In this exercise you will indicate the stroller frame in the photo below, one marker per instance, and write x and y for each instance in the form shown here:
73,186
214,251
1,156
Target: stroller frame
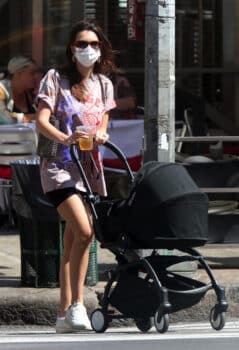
149,274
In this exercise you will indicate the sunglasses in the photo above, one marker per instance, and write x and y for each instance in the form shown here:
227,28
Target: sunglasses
83,44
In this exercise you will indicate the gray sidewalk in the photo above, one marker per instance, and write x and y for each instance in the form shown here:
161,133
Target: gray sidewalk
19,305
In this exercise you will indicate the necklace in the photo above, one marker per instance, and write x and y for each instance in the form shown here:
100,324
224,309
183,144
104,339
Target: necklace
79,91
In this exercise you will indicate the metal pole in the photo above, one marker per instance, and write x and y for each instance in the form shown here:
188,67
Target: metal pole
37,31
159,133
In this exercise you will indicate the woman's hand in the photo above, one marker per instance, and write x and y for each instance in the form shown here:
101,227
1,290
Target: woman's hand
101,136
74,137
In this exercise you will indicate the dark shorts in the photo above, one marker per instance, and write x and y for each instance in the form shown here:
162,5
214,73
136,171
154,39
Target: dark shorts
56,197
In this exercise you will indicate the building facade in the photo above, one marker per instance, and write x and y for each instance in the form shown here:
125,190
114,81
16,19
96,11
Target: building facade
207,42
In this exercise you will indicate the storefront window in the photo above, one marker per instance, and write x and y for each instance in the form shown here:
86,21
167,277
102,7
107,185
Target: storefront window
207,37
15,29
57,22
206,57
4,34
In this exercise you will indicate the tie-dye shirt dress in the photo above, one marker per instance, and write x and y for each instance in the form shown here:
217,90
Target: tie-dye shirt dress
55,92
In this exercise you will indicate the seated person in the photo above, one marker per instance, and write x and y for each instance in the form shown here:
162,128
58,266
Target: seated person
124,96
16,98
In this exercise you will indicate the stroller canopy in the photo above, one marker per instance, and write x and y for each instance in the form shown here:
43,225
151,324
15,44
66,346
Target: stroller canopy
165,208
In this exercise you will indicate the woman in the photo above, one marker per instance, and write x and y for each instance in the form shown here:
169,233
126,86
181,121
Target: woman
80,94
16,98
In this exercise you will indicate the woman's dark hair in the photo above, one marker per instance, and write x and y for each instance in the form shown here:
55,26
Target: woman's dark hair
106,63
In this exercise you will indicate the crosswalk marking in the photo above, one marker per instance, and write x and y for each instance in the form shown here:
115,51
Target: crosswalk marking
179,331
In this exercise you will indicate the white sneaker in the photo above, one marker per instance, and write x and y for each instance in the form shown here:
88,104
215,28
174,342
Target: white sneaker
62,326
76,317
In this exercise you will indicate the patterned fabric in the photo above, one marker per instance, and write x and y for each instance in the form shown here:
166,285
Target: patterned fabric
71,113
6,102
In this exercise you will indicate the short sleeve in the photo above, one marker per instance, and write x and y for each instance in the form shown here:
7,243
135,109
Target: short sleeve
48,90
109,95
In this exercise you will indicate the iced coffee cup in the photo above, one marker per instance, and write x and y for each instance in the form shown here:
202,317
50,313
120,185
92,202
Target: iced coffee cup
86,143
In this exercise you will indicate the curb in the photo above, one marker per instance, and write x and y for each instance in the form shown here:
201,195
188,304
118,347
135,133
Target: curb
38,306
24,306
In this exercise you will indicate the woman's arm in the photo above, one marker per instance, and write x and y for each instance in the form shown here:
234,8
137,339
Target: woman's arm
50,131
46,128
104,123
101,134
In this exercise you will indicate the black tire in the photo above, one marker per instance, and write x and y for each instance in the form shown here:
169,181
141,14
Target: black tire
144,325
99,321
161,322
217,319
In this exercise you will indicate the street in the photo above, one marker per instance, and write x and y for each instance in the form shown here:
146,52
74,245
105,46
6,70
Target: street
182,336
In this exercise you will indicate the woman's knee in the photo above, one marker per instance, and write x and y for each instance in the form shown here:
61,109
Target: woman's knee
84,237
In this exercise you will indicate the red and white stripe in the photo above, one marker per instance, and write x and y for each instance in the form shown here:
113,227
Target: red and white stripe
128,136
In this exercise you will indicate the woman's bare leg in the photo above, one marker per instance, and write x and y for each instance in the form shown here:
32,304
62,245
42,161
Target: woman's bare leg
65,285
78,219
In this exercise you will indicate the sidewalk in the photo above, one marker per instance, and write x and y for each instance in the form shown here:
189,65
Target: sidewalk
20,305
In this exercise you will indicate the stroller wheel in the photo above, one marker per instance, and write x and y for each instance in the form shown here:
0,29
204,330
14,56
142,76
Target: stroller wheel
217,319
99,321
161,322
143,325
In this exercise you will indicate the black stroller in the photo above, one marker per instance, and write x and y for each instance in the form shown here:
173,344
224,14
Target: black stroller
164,210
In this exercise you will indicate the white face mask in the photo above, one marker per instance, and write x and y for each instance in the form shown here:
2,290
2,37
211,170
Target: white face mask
88,56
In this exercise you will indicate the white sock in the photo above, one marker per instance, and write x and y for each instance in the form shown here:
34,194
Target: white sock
77,303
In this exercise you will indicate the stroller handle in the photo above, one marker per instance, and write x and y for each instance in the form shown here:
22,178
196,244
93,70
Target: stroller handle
116,150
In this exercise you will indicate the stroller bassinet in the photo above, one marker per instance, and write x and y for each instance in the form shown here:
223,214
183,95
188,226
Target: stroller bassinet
165,209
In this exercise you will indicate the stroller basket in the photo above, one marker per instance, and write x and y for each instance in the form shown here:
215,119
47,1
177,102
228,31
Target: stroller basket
133,289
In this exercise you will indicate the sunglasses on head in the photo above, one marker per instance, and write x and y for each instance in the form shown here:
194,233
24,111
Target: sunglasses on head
83,44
